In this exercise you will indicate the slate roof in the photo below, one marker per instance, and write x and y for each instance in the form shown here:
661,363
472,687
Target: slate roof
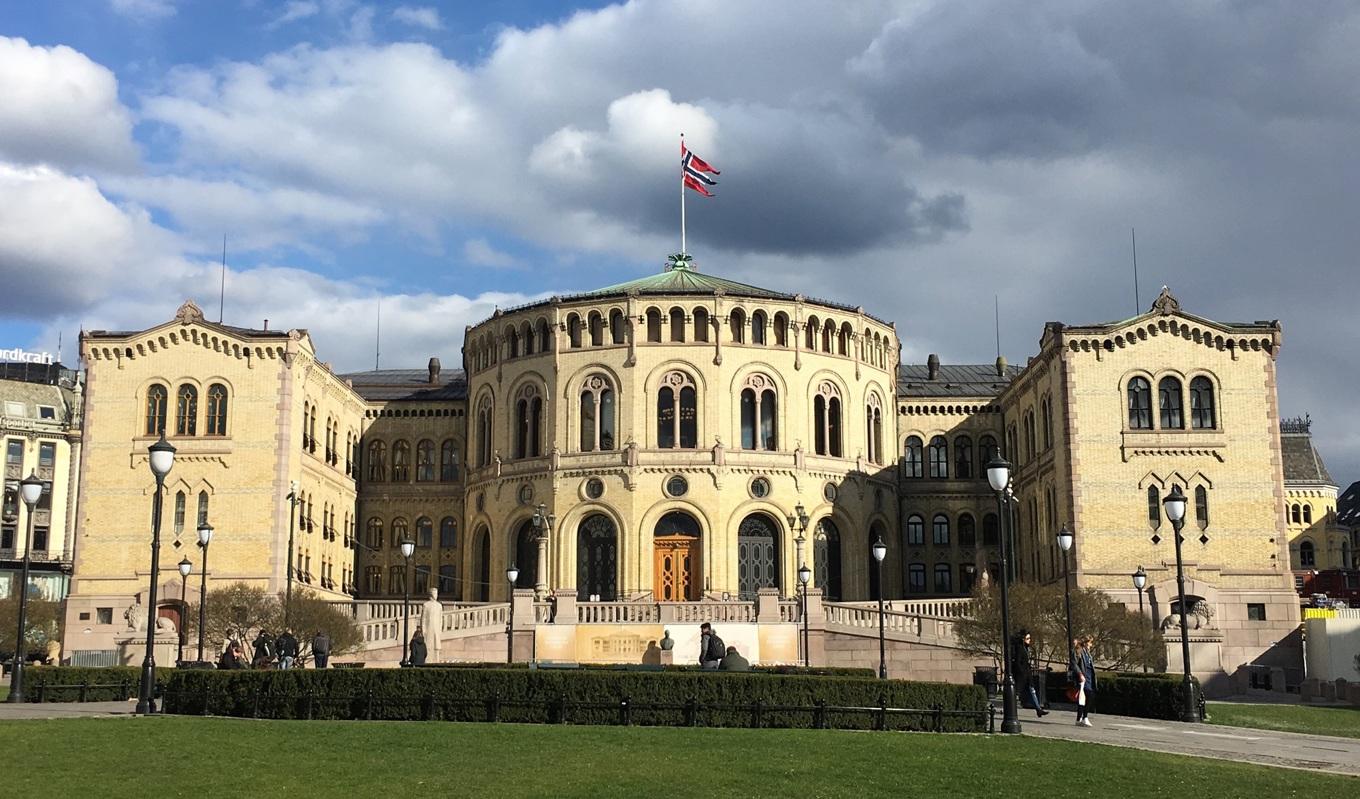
408,385
1348,506
953,380
1302,463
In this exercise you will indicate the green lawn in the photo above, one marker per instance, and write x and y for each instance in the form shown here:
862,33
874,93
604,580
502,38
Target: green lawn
201,757
1342,721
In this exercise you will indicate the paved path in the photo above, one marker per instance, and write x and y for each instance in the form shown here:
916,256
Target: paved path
1263,747
64,710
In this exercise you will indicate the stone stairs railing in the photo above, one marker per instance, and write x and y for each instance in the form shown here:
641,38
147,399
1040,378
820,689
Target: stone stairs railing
861,619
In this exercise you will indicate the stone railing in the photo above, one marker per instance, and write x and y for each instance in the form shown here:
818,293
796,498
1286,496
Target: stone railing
544,612
376,609
790,610
617,612
860,619
933,608
475,618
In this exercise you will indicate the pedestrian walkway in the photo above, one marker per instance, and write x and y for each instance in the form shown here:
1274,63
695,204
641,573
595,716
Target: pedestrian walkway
64,710
1262,747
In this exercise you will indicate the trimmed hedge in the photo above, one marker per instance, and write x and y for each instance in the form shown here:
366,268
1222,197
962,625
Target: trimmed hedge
1149,696
86,684
719,699
814,671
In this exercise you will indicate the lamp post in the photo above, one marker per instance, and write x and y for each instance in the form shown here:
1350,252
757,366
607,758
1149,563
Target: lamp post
408,548
543,523
205,533
1174,503
999,478
292,524
1139,582
30,489
798,523
185,567
880,550
1065,538
161,458
804,577
511,575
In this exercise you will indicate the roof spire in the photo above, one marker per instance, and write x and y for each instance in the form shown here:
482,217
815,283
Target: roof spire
680,261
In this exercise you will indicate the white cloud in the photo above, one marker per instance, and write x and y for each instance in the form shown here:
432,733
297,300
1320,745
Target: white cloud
481,253
293,11
418,17
145,10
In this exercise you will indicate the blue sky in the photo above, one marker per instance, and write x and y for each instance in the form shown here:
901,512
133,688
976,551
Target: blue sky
916,157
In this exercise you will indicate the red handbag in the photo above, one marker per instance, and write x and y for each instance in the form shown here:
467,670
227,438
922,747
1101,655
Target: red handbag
1071,693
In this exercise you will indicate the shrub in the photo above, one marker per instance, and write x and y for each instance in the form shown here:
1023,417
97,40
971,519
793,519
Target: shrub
1151,696
585,696
817,671
86,684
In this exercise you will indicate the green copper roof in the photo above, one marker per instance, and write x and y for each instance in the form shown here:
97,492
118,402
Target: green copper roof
683,280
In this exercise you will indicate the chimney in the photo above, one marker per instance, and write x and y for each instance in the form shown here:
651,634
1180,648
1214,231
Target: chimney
933,367
1000,366
434,371
266,324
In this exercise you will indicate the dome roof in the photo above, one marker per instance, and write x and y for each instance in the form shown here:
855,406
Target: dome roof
680,278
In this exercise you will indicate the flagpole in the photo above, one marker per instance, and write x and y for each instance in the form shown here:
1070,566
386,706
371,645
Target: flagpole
682,194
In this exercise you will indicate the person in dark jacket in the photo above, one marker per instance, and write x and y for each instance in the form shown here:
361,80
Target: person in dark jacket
711,649
264,650
231,657
733,661
321,648
418,649
1022,656
286,646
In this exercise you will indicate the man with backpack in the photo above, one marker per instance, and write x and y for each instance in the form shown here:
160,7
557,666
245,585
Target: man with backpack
711,647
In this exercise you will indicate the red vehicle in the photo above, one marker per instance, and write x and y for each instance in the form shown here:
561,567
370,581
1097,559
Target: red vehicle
1332,584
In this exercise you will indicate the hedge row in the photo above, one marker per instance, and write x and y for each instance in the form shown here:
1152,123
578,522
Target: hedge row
86,684
721,699
1149,696
813,671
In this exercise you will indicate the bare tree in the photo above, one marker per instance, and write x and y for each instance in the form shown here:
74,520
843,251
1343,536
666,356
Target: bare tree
239,611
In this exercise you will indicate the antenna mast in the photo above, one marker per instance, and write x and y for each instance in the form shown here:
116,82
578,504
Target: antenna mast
1137,304
377,342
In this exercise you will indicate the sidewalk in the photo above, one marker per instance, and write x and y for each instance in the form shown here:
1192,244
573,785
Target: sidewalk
1262,747
64,710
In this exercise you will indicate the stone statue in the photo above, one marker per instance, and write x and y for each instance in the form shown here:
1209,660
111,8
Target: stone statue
1200,617
432,620
631,454
667,642
54,653
165,625
136,615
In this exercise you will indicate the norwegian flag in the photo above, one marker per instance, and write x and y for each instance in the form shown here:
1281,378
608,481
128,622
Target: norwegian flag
696,171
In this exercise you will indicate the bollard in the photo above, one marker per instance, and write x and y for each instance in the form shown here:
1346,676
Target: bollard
819,715
691,712
882,712
625,713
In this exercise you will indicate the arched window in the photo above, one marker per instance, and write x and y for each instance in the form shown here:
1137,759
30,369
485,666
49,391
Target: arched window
512,342
758,323
526,335
1169,401
843,339
938,453
916,531
574,331
810,329
217,410
528,422
186,411
654,324
448,532
963,458
737,320
1307,556
781,330
596,559
401,461
967,530
618,329
1202,506
202,508
424,532
826,558
759,410
677,317
677,412
1154,507
1307,514
873,428
1140,404
828,333
826,412
377,462
1296,514
544,342
913,463
401,531
156,396
1202,416
180,502
987,452
596,323
701,324
991,530
484,432
448,581
448,461
425,461
373,536
597,414
939,527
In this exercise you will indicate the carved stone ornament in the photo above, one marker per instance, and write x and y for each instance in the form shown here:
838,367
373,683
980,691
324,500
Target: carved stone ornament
1166,304
189,312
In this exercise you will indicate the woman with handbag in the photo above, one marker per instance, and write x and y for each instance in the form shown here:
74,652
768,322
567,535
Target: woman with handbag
1084,667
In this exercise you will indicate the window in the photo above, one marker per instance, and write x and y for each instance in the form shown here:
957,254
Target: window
826,412
1307,514
373,579
202,508
448,461
701,324
940,530
991,530
377,462
425,461
484,432
916,578
103,615
373,537
180,502
618,328
597,414
963,458
1140,404
397,580
758,323
596,325
873,422
1169,403
217,410
448,532
911,457
155,410
987,453
944,583
758,413
828,333
47,462
1296,514
424,532
781,330
401,461
737,320
1307,556
401,531
810,328
528,423
1202,404
916,531
1154,507
1256,611
574,331
677,413
47,412
967,530
448,580
14,459
1030,443
1047,409
938,452
422,581
678,324
843,339
653,324
1202,506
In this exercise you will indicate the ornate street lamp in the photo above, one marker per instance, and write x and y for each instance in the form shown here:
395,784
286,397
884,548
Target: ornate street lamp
543,523
205,534
1174,504
408,548
1140,582
293,500
30,490
999,478
185,567
804,577
1065,539
511,575
798,523
161,459
880,551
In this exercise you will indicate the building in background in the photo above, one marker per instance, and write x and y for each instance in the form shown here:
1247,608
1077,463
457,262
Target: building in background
1317,540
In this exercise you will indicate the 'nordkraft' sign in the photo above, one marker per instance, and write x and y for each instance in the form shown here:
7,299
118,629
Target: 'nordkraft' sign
24,356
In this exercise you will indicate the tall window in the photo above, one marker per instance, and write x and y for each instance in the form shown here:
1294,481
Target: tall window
1307,555
397,580
758,413
916,531
372,580
677,412
1202,415
940,530
912,459
597,414
1202,507
991,530
448,580
987,452
758,323
781,330
448,532
943,580
1169,401
448,461
826,413
180,502
484,432
701,324
963,457
574,331
1307,514
810,328
401,531
155,409
873,423
528,421
202,508
377,462
967,530
737,319
186,411
916,578
654,324
596,325
424,532
425,461
373,535
1296,514
1047,408
1140,404
938,452
401,461
1154,507
217,410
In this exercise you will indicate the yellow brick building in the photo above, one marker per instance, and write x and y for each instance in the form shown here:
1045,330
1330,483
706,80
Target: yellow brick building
1317,540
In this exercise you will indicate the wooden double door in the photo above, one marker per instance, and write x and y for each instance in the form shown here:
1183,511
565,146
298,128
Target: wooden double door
676,568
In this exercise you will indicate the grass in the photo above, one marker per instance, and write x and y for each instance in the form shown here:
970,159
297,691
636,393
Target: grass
1339,721
197,757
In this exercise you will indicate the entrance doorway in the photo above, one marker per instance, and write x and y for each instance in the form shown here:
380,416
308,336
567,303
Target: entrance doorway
757,555
677,556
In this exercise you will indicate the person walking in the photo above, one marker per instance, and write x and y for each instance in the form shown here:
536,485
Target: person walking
1022,658
1084,666
418,649
264,650
711,648
287,648
321,648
